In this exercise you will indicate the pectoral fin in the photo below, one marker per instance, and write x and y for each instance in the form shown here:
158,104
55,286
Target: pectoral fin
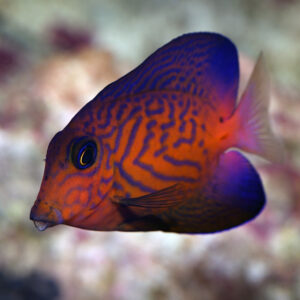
168,197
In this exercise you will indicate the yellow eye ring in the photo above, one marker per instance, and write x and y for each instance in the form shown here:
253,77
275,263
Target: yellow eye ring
81,158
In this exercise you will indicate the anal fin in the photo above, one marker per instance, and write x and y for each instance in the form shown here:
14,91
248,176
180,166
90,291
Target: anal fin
235,195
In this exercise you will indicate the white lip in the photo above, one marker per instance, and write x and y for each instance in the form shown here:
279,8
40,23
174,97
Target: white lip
40,225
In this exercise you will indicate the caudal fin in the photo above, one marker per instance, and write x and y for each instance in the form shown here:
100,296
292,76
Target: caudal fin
254,133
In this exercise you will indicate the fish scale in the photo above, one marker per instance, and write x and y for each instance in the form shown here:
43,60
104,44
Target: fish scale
154,149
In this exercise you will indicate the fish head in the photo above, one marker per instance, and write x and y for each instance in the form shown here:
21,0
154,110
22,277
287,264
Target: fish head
69,192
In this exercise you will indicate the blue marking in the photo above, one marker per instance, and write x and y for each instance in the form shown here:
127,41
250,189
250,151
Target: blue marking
144,71
121,127
59,215
206,53
164,137
163,75
195,112
118,138
184,112
171,113
109,134
160,151
134,111
147,139
108,115
188,88
132,181
90,113
187,140
151,124
127,85
80,189
163,58
201,143
161,176
200,53
174,51
203,127
110,152
99,114
212,54
200,64
182,162
150,101
120,112
182,126
151,112
106,180
91,132
101,196
167,125
167,82
154,112
131,138
118,186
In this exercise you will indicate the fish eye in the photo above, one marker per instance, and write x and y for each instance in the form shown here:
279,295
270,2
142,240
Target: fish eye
84,153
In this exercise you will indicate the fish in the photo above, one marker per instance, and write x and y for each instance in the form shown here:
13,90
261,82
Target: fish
163,147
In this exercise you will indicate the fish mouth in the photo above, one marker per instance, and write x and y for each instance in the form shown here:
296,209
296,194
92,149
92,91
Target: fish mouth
42,222
41,225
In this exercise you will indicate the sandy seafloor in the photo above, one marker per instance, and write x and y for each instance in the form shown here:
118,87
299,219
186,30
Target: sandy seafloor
54,57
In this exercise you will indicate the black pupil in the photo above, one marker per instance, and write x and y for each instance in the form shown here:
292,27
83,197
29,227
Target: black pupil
88,155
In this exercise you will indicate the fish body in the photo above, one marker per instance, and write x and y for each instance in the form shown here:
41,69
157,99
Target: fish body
151,151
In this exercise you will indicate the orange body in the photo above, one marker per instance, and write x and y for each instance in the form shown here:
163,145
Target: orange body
149,152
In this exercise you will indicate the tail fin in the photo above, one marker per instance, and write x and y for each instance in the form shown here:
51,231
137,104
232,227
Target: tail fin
254,132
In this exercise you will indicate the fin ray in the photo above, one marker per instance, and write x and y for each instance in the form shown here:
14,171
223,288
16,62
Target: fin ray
167,197
254,134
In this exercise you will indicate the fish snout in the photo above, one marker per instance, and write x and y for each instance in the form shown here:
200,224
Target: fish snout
44,216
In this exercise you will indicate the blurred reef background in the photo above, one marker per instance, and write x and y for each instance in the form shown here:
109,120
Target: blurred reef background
57,55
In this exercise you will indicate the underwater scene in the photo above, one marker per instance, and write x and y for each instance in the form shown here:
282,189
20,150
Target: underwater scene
57,56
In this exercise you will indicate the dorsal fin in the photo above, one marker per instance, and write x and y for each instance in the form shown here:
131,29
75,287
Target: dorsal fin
201,64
